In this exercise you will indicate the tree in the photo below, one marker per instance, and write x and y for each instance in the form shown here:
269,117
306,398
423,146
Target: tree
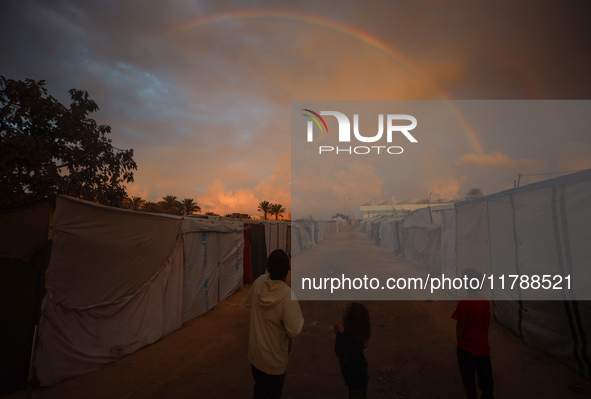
277,209
151,207
170,204
134,203
50,149
188,206
265,207
474,193
211,214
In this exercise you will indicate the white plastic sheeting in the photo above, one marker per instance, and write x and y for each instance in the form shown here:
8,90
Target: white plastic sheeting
119,280
540,229
114,285
214,251
307,233
276,235
448,245
421,237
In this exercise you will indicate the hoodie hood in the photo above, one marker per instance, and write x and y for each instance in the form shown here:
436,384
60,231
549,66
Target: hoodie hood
272,293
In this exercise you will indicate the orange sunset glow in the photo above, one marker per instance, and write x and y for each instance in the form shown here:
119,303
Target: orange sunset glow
202,92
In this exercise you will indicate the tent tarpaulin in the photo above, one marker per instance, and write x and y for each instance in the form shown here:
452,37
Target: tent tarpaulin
114,285
201,276
213,263
539,229
258,250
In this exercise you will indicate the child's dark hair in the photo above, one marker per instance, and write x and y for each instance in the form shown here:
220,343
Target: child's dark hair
278,264
356,322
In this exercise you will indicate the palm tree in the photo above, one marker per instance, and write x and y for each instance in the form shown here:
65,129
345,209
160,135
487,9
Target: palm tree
265,207
474,193
152,207
189,207
137,203
277,209
134,203
169,204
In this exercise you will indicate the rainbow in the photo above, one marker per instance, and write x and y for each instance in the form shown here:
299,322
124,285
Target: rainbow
354,33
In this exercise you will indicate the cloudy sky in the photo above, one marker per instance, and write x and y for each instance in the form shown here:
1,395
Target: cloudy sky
201,90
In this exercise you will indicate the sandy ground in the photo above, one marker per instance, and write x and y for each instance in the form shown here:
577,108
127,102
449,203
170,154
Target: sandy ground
411,355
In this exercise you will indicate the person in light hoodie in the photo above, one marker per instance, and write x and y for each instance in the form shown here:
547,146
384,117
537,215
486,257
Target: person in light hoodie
275,320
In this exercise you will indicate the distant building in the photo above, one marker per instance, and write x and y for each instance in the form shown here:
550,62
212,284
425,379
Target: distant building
240,216
283,216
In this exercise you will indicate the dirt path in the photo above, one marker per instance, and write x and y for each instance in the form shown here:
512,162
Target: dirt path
411,355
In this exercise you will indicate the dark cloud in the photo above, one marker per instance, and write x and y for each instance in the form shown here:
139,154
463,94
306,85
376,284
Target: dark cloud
211,103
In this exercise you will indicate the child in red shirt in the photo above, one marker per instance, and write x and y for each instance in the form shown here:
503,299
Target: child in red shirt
473,351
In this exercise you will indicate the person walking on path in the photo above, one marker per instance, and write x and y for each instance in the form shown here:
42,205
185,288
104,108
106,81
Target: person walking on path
275,320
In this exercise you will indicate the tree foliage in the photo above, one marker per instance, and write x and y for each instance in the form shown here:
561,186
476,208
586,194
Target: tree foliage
474,192
170,204
340,215
151,207
49,149
188,206
277,210
134,203
265,207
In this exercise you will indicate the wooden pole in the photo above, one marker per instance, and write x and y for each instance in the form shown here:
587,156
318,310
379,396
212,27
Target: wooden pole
30,376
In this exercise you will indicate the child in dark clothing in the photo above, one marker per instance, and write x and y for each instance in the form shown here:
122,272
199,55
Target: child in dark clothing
473,351
349,344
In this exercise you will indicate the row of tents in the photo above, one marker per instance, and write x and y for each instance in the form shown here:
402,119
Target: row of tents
110,281
102,282
539,229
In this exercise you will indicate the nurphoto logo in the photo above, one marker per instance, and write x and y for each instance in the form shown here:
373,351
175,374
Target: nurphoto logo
392,126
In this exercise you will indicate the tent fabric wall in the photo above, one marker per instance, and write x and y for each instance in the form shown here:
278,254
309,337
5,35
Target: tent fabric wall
304,234
472,240
201,273
417,235
114,285
389,234
230,264
213,263
276,235
246,264
258,250
542,228
296,239
422,246
421,241
305,238
448,244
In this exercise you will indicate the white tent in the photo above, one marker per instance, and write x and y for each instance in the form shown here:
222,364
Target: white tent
213,258
421,236
119,280
540,229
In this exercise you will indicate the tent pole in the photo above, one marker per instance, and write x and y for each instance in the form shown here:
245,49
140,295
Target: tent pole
30,376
